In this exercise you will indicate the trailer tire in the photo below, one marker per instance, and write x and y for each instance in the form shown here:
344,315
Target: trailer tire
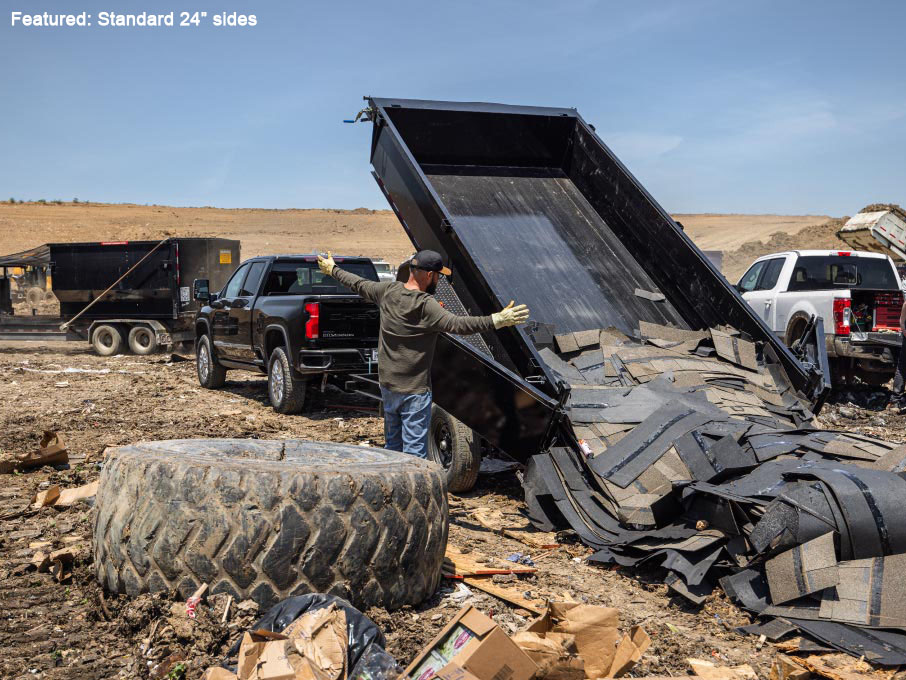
142,340
268,520
456,448
34,296
211,375
107,340
285,388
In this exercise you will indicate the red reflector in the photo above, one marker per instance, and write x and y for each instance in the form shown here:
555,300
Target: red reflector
313,325
842,312
844,253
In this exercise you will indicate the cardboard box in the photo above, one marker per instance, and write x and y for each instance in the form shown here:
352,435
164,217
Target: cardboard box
471,647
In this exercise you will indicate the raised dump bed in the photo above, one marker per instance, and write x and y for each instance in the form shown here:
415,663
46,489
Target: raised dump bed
529,204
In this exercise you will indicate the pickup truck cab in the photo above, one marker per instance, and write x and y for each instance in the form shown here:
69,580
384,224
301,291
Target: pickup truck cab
856,293
281,316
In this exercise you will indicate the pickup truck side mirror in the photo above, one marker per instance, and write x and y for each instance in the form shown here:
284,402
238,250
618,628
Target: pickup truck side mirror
200,290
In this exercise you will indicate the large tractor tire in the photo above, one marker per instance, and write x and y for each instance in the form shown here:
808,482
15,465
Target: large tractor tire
269,519
456,448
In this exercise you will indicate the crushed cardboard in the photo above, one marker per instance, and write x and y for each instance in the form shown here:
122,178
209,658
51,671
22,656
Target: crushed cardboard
593,630
51,451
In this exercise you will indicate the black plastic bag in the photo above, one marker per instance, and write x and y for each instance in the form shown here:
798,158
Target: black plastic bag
361,631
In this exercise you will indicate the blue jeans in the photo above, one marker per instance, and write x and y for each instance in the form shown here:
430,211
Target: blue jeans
407,418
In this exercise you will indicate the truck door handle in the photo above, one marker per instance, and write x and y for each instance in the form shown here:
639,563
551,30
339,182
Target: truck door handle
768,304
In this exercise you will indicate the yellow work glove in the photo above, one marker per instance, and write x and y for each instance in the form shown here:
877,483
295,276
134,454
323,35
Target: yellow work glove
510,315
327,264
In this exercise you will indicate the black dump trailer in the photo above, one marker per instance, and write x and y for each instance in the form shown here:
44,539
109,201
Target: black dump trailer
128,293
529,204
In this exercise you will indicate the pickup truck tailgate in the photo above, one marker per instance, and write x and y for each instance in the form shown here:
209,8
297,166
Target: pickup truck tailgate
342,319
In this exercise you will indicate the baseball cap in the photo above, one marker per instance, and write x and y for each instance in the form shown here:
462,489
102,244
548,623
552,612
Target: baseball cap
429,261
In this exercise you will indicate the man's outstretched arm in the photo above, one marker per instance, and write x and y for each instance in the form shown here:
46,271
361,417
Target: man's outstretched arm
372,291
439,319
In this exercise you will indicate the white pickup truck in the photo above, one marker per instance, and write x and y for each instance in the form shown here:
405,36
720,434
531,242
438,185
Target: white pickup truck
856,293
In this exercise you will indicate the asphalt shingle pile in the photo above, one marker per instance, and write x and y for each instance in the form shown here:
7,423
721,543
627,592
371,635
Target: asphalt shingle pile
692,452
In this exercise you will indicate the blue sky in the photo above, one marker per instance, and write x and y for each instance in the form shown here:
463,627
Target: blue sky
779,107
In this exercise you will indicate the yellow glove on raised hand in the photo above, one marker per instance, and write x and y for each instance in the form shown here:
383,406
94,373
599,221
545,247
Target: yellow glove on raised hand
327,264
510,315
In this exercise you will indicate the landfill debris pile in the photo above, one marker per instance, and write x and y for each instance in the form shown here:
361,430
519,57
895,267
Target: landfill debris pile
323,637
693,453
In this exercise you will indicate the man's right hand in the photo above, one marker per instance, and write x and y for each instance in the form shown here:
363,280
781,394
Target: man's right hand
327,264
510,315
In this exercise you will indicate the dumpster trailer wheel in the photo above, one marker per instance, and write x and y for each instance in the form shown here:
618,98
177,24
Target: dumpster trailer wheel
269,519
142,340
211,375
453,446
107,340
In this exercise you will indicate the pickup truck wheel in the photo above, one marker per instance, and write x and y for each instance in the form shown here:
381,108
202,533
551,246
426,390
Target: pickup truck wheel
211,375
142,340
268,520
107,340
453,446
285,387
794,328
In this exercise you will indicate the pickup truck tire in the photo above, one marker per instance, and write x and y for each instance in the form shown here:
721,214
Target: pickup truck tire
107,340
142,340
211,375
285,387
794,328
453,446
268,520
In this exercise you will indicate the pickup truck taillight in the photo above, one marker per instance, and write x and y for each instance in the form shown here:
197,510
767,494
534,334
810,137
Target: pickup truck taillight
842,312
313,325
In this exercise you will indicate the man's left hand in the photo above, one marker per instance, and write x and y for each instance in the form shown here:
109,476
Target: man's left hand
327,264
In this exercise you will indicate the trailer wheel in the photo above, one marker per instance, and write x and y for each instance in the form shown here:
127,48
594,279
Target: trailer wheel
285,387
211,375
142,340
267,520
34,296
107,340
453,446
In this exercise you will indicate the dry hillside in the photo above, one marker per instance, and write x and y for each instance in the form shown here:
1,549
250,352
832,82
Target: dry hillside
375,233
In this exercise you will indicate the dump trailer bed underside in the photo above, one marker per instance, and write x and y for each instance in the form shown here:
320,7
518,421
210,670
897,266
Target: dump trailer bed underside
539,219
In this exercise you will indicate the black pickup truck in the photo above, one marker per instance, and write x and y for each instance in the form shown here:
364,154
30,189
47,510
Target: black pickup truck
280,315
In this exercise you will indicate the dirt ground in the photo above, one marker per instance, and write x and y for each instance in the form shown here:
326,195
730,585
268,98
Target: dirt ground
72,630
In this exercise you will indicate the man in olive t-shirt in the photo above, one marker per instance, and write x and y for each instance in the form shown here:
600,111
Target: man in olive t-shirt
410,321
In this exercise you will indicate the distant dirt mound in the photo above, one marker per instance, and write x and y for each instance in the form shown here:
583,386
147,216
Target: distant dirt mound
878,207
820,237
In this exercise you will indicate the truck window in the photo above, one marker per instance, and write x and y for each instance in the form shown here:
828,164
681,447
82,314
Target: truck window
304,278
750,278
250,287
231,290
771,273
829,272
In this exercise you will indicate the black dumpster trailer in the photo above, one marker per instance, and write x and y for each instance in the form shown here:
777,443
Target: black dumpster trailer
529,204
152,306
